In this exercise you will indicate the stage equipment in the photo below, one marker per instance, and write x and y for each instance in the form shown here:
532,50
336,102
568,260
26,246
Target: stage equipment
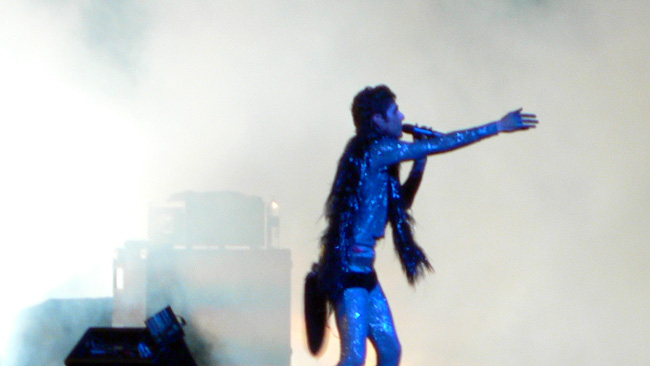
273,224
208,219
160,343
237,302
129,284
165,328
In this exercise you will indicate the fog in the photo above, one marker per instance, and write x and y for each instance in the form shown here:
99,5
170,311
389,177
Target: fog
539,239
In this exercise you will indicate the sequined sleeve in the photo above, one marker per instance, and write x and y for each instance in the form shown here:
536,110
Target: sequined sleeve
389,152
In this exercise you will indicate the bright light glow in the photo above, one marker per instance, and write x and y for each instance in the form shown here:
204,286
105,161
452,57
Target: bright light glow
539,239
72,166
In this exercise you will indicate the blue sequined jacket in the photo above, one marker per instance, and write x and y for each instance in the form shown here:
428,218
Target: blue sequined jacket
367,194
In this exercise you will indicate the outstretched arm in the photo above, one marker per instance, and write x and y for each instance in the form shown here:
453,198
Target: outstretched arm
393,152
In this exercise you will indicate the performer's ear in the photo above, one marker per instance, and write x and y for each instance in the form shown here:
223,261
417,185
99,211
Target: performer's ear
378,120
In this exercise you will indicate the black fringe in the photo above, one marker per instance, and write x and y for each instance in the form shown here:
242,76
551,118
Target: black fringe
340,209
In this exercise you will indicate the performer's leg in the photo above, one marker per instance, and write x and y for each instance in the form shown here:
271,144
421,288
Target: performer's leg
352,323
381,330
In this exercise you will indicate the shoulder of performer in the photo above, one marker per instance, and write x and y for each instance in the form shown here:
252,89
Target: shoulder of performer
387,151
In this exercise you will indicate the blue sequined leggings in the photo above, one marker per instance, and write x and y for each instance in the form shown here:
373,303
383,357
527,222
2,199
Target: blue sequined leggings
359,315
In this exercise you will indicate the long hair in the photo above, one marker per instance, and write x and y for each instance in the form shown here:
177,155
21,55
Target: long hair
341,207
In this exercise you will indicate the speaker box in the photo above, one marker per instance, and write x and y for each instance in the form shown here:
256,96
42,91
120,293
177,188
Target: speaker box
208,219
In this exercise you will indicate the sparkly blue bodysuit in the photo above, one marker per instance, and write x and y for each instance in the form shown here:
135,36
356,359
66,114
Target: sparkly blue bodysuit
372,213
365,196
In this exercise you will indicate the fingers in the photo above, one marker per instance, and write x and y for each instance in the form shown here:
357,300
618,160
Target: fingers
516,121
529,124
524,115
529,119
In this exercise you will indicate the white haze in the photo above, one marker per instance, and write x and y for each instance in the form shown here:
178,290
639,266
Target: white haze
539,239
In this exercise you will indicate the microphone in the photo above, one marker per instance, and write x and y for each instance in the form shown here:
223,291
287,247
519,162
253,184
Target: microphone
413,130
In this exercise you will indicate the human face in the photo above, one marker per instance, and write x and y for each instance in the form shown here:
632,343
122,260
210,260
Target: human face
391,124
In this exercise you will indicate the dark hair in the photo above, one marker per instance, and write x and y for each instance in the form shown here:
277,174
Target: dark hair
367,103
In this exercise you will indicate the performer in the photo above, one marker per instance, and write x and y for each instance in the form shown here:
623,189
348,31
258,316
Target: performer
366,194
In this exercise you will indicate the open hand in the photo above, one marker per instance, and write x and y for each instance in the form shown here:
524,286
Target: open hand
515,121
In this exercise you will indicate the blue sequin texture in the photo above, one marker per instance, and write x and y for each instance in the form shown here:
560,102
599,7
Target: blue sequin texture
365,196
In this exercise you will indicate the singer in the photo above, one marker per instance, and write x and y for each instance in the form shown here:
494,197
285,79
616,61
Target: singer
366,195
